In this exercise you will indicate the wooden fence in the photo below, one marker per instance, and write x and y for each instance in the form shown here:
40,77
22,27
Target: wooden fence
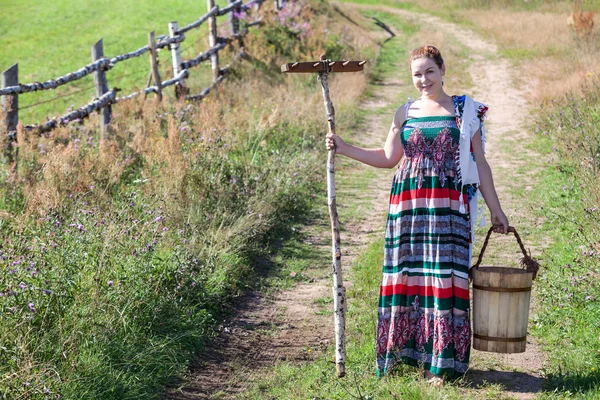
105,98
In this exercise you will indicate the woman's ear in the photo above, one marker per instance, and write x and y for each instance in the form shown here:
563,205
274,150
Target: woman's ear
443,69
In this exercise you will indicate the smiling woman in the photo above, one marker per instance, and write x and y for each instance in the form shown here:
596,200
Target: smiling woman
424,311
50,39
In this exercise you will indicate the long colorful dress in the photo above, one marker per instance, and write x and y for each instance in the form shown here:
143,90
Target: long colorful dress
423,317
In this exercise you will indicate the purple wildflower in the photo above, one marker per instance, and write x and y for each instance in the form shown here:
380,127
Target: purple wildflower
31,307
110,283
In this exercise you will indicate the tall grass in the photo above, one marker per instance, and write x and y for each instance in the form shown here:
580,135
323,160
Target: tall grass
119,253
567,319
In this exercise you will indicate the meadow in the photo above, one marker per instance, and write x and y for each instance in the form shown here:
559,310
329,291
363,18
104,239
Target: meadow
56,38
120,254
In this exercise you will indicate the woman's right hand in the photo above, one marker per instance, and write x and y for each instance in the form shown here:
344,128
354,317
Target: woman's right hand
333,141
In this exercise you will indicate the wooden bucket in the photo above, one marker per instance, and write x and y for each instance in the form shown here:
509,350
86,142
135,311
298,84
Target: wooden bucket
501,303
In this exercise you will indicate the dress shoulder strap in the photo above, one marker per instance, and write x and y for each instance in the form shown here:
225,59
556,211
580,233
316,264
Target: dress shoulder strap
408,103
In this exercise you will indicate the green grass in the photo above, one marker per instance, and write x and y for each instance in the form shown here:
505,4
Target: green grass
566,320
50,39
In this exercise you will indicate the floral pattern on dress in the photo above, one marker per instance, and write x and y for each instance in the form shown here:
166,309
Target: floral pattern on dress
439,153
462,336
442,334
442,330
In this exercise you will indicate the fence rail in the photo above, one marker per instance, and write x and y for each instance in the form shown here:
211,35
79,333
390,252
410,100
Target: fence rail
11,89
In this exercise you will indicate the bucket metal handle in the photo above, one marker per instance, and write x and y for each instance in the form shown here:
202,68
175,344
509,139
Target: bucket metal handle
527,262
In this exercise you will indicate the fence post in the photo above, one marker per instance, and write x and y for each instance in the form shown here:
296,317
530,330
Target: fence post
233,19
101,85
154,64
176,56
10,103
212,41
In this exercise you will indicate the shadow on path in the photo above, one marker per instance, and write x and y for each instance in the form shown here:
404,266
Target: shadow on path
511,381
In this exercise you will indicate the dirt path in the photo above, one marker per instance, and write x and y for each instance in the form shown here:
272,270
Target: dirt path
289,326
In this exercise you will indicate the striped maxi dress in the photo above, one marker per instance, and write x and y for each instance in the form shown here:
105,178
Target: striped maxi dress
423,316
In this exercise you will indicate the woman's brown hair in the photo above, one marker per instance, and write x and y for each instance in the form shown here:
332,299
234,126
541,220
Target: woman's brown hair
427,51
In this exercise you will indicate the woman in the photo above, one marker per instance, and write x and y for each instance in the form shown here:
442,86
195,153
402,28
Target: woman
423,317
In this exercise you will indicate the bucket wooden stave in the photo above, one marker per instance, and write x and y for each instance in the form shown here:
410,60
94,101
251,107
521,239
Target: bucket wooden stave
501,298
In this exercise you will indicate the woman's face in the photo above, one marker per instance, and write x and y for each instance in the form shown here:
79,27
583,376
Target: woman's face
427,76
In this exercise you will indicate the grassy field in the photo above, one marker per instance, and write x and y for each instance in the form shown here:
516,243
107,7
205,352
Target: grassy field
118,256
50,39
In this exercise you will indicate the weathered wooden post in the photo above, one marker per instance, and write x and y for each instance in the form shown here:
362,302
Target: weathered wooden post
154,64
280,4
212,41
101,85
323,68
233,19
176,57
10,104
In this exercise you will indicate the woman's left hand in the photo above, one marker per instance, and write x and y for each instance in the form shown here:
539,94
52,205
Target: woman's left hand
500,222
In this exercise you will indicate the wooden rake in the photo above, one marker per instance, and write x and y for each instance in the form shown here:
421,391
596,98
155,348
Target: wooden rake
323,68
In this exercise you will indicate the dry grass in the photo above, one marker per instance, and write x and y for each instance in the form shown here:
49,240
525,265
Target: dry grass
75,160
536,31
553,59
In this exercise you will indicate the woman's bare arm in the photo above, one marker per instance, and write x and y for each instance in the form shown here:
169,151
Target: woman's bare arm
486,185
387,157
